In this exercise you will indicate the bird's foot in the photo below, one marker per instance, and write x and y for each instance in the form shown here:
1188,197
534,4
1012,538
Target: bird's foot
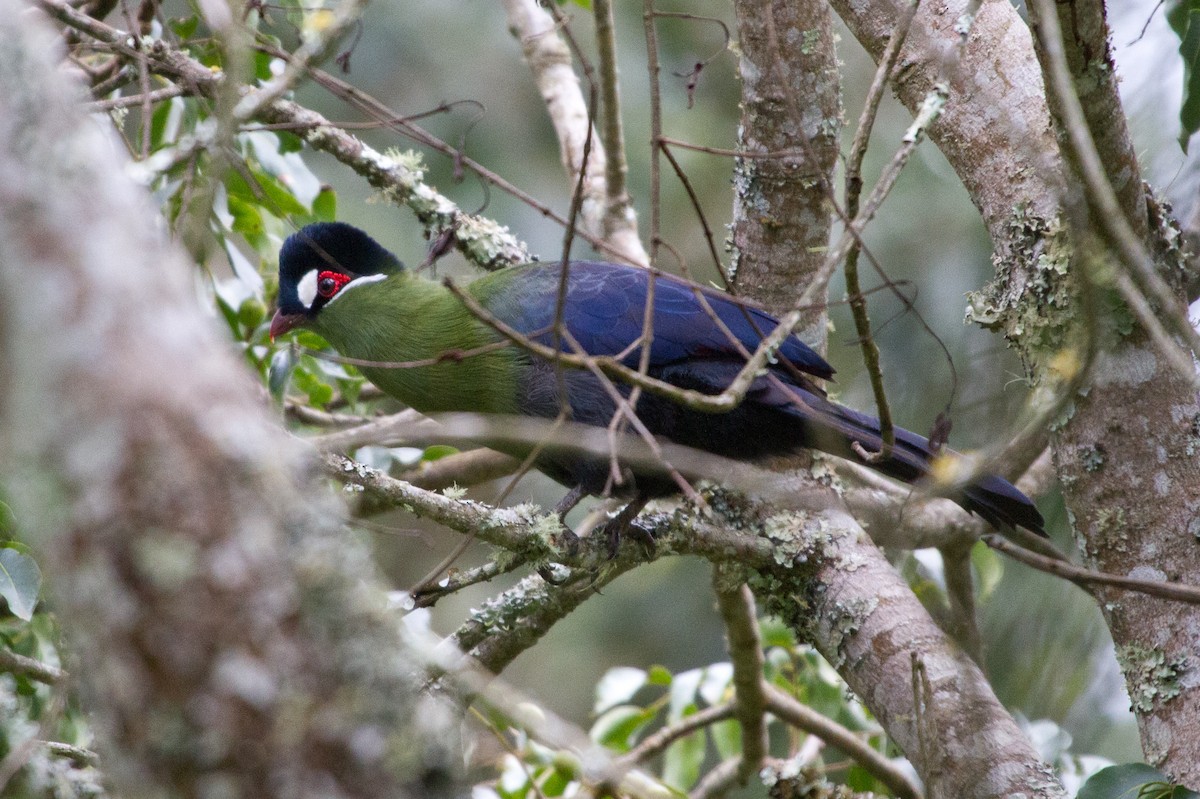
568,502
622,524
554,574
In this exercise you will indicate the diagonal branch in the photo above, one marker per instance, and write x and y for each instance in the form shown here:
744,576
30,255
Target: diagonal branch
549,59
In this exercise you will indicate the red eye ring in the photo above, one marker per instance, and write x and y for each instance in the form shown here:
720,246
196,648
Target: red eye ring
330,283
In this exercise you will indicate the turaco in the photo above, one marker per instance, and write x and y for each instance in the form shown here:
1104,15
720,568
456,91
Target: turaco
339,282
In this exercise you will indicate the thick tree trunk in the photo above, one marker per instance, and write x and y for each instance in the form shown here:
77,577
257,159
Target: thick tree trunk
854,607
231,637
1127,457
791,101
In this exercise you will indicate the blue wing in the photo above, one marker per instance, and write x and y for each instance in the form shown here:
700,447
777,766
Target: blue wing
605,313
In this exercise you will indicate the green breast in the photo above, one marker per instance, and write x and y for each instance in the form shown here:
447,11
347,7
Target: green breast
405,318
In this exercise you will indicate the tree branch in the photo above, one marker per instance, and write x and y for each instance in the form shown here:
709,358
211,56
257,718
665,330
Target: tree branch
805,718
736,604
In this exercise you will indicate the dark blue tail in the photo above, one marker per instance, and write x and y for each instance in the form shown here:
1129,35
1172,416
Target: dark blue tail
831,428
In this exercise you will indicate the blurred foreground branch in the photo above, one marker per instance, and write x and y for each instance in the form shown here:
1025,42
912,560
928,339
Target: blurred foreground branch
142,468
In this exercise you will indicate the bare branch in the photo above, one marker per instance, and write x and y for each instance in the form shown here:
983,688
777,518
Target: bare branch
657,743
834,734
736,604
619,218
1086,578
30,667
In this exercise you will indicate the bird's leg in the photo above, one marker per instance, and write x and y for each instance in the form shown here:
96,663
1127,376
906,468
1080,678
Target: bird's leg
564,506
623,523
568,503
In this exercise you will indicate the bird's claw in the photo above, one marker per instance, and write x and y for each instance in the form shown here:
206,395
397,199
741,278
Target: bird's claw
618,528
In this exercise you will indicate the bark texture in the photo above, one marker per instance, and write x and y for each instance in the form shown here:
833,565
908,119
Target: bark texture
931,698
995,129
844,597
232,638
1128,456
791,101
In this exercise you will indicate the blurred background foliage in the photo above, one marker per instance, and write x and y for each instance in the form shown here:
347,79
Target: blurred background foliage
1047,650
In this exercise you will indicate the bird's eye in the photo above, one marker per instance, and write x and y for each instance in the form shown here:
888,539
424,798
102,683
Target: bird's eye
328,283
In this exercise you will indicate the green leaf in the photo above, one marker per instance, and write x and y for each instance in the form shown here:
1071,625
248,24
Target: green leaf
683,693
1184,18
228,312
262,66
514,779
617,728
319,392
20,582
989,568
7,521
251,313
1132,781
618,686
159,123
861,781
247,219
324,206
717,681
776,633
351,387
555,783
289,142
437,452
185,27
307,338
681,764
284,202
727,738
660,675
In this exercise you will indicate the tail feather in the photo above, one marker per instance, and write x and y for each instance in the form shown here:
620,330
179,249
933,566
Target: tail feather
832,428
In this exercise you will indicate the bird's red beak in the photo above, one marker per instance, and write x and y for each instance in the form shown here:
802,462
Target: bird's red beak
283,322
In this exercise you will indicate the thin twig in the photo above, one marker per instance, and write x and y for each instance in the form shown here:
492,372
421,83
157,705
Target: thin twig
315,48
29,667
1086,578
618,209
657,743
652,72
834,734
858,301
144,84
156,96
462,469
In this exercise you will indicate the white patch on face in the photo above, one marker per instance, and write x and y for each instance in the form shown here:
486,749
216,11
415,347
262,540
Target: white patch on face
307,288
358,281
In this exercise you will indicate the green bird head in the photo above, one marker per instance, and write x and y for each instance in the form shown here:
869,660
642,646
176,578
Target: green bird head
320,263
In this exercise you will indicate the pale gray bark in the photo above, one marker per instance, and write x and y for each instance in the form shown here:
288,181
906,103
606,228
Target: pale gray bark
791,101
1127,456
852,605
231,636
